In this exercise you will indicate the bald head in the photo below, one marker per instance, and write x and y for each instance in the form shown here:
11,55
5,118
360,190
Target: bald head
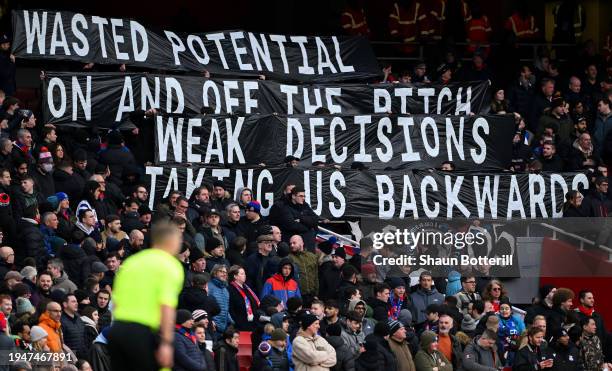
7,254
136,238
54,311
574,84
296,243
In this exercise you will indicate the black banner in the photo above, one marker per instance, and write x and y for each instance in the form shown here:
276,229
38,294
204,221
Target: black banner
392,194
42,34
378,141
107,99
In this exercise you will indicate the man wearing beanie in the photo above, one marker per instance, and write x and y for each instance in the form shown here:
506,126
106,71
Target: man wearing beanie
216,250
310,351
42,175
429,358
399,346
562,305
566,355
252,225
272,354
187,354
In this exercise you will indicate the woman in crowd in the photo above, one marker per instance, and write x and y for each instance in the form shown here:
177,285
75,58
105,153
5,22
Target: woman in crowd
572,208
494,292
243,302
510,328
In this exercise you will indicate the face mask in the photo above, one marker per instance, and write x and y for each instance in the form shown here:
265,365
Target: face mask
47,168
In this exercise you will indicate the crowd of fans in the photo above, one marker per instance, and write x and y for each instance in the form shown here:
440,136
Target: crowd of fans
73,208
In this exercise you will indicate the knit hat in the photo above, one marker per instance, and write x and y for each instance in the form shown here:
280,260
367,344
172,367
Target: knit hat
427,338
559,333
195,254
52,200
144,210
23,306
395,282
115,137
278,334
37,333
218,183
334,329
98,267
405,317
61,196
381,329
277,319
211,244
340,252
264,348
254,206
199,314
307,319
182,316
394,326
45,157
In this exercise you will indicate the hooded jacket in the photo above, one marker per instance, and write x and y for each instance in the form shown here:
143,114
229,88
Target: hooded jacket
427,361
477,358
55,340
90,334
312,353
280,286
345,360
421,299
353,340
64,283
367,324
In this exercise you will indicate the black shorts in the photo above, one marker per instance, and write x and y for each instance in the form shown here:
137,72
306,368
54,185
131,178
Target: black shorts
132,347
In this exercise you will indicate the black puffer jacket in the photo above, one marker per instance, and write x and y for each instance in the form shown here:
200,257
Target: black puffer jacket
72,185
43,183
298,219
274,360
192,298
73,332
117,158
30,243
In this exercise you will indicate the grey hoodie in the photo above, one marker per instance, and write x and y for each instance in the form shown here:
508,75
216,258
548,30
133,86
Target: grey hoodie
421,299
477,358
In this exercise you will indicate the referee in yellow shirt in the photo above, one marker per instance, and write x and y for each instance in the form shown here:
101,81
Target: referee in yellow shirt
145,295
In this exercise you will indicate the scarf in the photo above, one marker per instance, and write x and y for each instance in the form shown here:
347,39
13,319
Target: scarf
396,306
185,332
247,301
586,311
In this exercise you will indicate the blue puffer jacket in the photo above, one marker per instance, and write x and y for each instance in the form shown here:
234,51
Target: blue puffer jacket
218,290
187,355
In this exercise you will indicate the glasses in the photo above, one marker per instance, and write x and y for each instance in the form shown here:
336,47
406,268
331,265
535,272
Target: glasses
496,289
54,310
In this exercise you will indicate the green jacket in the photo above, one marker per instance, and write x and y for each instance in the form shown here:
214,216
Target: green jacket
424,361
309,271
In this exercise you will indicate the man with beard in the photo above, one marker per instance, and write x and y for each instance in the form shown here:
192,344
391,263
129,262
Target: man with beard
220,198
468,295
332,315
447,343
586,308
549,159
306,262
43,288
297,217
197,265
562,304
140,194
103,298
198,202
581,156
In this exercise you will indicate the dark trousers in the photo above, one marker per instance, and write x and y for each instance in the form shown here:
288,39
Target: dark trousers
132,347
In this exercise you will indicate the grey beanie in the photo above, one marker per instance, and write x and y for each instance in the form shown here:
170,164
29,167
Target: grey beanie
405,317
37,333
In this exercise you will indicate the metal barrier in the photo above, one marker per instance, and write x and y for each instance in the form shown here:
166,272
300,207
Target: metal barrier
581,239
535,47
338,236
